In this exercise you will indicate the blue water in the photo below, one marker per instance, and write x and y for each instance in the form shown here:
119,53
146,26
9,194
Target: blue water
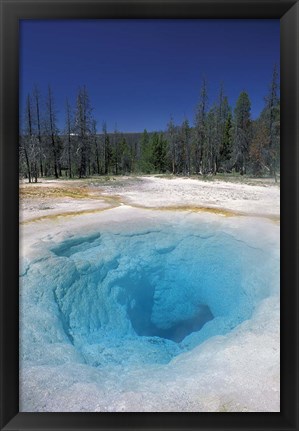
144,296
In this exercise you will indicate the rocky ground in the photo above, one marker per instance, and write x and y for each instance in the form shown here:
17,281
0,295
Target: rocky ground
50,198
238,371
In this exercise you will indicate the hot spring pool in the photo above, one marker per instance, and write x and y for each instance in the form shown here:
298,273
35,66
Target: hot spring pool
138,297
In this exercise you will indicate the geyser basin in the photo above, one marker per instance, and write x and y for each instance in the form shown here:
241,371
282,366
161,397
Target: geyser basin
144,295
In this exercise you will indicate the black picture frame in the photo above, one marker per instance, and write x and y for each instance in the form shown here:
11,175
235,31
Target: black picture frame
14,10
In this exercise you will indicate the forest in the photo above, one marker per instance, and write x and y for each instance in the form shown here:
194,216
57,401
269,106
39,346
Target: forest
221,139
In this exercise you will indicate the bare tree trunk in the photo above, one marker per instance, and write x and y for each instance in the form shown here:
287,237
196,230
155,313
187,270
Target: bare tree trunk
68,124
35,172
36,95
28,165
52,131
69,157
97,159
54,156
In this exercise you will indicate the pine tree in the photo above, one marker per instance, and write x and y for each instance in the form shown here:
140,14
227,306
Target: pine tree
172,144
83,127
116,151
242,133
219,125
107,150
125,156
227,142
259,148
211,143
271,117
69,127
27,143
223,112
96,150
52,132
186,147
200,128
146,161
36,96
159,148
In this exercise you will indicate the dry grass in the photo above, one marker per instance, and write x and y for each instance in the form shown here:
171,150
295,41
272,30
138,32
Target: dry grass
48,192
197,209
64,214
30,191
212,210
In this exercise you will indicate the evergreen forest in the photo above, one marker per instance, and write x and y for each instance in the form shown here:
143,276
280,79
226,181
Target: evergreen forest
220,139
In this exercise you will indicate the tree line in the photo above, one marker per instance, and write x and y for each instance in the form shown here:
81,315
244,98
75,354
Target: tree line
221,139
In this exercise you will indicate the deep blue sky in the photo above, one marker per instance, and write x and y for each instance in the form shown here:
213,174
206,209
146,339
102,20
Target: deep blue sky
138,72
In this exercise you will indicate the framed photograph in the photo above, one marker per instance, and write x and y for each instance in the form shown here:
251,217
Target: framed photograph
149,208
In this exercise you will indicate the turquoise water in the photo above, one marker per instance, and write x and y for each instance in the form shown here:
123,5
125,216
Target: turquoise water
151,312
141,297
